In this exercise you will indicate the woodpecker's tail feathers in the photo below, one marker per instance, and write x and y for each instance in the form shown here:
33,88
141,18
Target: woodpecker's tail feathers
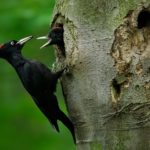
54,124
66,121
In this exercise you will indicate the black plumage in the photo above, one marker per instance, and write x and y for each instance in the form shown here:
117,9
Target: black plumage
38,80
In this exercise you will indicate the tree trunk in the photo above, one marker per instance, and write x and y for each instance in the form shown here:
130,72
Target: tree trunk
107,90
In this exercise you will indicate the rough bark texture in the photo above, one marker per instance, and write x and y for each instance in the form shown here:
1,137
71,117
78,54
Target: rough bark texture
107,90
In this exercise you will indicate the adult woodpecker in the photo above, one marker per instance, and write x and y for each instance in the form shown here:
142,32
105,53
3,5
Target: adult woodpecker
55,37
38,80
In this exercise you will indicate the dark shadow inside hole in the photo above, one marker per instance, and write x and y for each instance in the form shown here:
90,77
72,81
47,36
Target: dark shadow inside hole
143,19
116,86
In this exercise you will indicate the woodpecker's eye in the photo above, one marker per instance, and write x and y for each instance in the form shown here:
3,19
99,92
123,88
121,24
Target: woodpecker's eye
12,43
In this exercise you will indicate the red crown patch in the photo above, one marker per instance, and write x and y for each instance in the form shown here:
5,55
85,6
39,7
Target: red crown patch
1,46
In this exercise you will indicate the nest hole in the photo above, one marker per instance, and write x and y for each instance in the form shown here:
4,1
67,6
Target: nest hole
143,19
116,86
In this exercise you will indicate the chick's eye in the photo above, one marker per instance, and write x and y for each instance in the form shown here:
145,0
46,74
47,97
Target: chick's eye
12,43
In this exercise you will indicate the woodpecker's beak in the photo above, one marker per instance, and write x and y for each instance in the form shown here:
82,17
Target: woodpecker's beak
24,40
44,38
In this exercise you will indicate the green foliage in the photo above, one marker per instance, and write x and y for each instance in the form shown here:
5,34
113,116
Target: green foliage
22,125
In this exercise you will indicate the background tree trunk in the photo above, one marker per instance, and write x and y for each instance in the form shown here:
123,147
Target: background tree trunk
108,88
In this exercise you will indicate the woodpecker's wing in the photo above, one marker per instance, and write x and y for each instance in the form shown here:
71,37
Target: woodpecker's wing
37,78
49,107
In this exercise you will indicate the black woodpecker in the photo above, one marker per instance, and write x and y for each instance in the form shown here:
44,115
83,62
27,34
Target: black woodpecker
55,37
38,80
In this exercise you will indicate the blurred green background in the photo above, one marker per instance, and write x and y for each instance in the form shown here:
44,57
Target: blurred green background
22,125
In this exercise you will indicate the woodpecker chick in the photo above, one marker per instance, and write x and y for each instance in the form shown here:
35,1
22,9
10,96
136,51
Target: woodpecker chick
38,80
55,37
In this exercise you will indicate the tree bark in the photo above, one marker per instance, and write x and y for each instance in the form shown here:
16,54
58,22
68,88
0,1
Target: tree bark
107,90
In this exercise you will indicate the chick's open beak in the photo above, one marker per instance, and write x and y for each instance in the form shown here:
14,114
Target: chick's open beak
44,38
24,40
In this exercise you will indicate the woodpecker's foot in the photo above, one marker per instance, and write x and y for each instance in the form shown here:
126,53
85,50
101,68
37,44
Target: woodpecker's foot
66,70
55,67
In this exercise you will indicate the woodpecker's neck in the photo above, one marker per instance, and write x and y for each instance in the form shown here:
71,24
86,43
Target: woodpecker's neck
16,60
